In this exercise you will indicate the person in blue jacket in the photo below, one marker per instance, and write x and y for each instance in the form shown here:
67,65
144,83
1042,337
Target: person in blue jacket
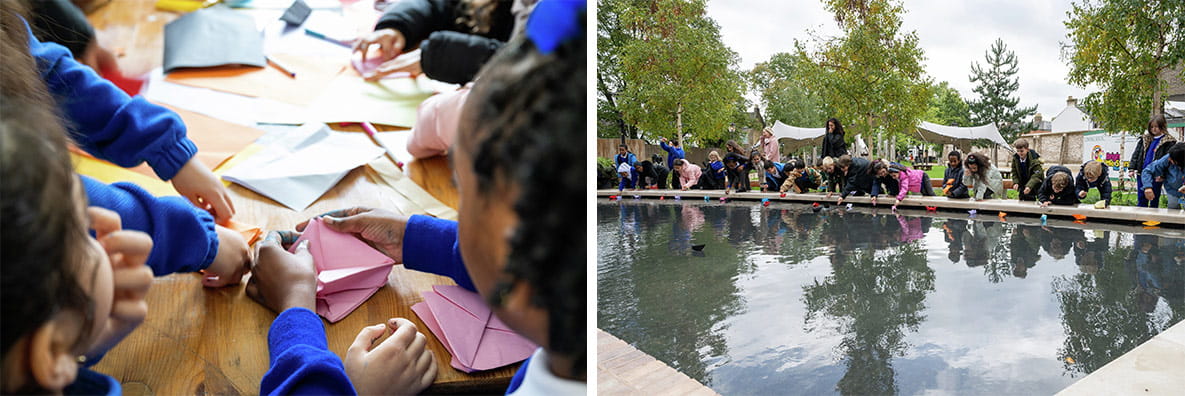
1093,175
127,131
513,242
674,152
1171,170
624,156
773,176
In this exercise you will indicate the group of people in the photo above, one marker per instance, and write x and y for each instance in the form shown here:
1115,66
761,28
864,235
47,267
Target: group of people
79,255
1159,164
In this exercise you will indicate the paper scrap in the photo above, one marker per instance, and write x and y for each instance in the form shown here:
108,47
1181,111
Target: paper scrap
473,335
212,36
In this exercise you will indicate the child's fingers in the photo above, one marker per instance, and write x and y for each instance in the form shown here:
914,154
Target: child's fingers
423,364
404,334
103,221
222,208
132,283
366,338
130,310
430,371
134,245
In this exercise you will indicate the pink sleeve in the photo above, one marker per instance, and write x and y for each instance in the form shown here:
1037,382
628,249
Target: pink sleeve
436,124
906,182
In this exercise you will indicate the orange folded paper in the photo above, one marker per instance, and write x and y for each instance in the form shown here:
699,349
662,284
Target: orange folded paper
1079,217
1151,223
313,76
250,233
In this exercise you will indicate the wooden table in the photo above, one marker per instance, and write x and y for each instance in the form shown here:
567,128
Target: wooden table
198,340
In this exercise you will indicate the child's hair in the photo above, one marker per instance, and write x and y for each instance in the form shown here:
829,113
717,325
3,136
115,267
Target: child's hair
755,156
627,148
838,126
713,153
979,160
1158,120
675,142
1021,143
524,112
655,158
955,154
828,161
798,164
769,165
1092,170
680,162
844,161
732,147
46,234
877,166
1059,181
1177,154
20,80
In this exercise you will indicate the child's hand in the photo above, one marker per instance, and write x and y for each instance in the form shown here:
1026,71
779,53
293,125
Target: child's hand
1082,194
873,199
282,280
1027,189
232,261
409,63
381,229
127,251
1046,203
196,183
401,364
1149,194
390,42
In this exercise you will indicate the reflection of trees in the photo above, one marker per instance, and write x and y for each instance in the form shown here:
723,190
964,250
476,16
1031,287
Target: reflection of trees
666,302
1101,313
875,296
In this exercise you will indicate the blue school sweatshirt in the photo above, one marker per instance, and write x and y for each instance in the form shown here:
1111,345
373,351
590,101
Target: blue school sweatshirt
105,121
301,363
183,236
673,153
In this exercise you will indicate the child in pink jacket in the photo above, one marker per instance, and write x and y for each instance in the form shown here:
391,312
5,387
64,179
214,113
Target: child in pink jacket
436,123
907,179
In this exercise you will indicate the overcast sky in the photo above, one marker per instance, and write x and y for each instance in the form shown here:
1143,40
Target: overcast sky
953,34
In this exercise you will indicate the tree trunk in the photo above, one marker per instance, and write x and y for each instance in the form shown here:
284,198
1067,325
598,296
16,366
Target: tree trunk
1122,155
679,124
621,127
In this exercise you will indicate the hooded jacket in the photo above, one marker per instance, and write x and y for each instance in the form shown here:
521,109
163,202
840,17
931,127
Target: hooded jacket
1103,183
1162,148
1068,196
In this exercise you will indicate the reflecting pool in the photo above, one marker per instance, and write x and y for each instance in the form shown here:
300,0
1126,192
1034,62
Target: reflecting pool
786,300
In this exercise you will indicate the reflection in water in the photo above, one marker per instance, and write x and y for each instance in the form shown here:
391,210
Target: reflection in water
792,301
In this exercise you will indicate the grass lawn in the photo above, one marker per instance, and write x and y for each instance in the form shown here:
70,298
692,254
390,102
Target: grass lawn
1118,198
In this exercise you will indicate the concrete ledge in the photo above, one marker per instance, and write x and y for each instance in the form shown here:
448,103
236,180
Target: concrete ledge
624,370
1116,214
1156,367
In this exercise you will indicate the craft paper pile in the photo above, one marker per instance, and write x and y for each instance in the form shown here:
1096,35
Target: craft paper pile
474,336
298,169
213,36
348,270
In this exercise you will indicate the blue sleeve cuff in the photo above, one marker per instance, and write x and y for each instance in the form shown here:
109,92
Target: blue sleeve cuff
295,326
430,245
169,158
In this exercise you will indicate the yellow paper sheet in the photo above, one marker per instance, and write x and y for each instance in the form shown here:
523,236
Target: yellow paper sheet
390,176
109,173
349,98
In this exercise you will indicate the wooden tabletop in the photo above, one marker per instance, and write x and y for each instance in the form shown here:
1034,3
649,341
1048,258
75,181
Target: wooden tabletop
198,340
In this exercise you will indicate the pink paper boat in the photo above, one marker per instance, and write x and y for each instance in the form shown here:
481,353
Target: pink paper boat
475,337
348,270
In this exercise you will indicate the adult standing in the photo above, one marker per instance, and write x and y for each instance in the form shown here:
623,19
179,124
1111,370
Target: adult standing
1152,146
834,145
674,153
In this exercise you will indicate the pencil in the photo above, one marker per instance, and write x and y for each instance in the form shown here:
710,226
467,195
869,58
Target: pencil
279,66
366,126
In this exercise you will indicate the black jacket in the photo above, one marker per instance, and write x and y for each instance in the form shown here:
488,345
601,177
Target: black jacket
647,176
1103,184
953,173
1068,196
834,145
858,178
60,21
1137,160
449,52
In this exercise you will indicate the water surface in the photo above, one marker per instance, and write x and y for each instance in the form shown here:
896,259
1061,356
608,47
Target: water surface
784,300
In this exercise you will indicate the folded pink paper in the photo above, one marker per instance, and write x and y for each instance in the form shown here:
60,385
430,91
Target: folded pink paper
475,337
348,270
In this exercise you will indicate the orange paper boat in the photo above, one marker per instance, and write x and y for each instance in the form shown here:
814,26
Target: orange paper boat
1079,217
1002,214
1151,223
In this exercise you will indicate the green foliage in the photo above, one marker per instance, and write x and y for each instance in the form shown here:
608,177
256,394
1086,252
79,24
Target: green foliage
870,77
612,35
1122,46
995,84
669,64
947,107
784,93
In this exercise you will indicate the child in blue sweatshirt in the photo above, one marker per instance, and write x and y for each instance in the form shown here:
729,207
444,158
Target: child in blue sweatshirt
107,123
514,243
67,297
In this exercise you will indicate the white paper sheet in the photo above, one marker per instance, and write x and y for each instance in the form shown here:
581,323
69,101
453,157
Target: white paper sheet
298,169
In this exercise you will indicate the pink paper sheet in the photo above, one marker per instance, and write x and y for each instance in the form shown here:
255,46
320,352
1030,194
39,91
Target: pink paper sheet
475,337
348,270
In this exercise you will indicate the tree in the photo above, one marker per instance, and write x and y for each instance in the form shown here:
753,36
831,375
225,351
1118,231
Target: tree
1123,46
871,76
612,36
995,85
675,70
784,94
947,107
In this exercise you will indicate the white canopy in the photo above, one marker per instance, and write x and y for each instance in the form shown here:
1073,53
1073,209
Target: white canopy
942,134
799,137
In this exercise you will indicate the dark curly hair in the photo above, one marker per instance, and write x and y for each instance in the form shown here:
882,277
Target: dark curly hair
527,121
44,233
838,126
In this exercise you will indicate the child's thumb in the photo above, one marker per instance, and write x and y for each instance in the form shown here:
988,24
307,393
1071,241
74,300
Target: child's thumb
350,224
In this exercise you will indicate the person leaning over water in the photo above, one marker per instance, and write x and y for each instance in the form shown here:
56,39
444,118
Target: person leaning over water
979,175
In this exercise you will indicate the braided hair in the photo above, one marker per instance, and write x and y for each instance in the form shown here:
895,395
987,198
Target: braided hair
526,118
